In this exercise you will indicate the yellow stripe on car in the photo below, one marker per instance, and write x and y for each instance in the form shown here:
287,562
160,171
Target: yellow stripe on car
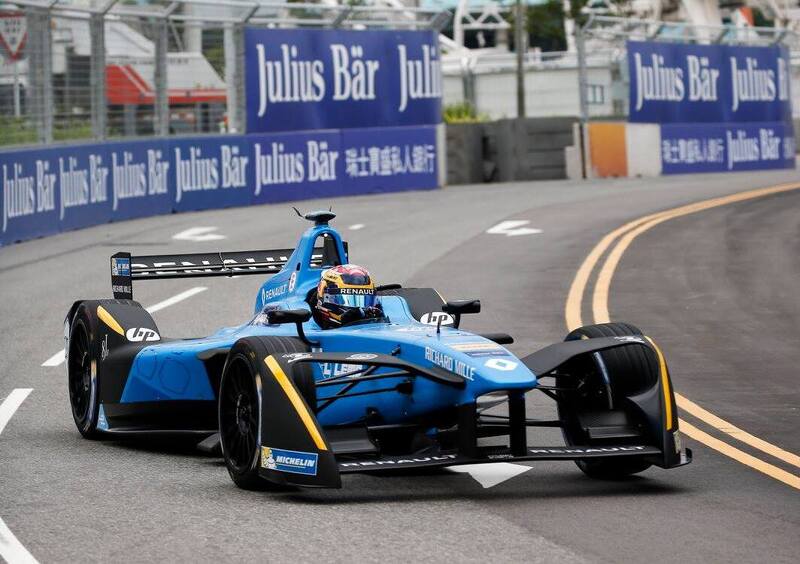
296,400
662,368
109,320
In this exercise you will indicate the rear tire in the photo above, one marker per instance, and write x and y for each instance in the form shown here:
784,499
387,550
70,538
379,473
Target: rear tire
240,406
630,369
82,381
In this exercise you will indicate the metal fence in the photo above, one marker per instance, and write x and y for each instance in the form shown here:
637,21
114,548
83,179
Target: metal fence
101,69
602,55
486,79
104,69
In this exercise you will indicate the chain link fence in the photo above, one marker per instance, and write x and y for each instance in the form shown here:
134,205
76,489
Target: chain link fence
602,56
591,82
104,69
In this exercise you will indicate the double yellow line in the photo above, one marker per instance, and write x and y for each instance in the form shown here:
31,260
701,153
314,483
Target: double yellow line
621,238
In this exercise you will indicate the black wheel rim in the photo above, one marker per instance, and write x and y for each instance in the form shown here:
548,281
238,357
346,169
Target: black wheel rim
238,416
80,374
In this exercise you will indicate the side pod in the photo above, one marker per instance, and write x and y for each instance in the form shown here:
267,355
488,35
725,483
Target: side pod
294,449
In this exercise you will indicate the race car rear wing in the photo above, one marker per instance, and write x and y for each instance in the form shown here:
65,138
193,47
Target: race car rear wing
126,268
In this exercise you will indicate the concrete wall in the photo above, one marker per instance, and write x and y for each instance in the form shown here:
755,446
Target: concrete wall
642,141
465,153
508,149
531,148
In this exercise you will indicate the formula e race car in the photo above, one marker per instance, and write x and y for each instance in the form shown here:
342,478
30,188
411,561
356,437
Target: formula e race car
291,404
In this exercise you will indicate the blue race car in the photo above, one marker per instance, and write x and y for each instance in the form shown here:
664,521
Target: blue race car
334,375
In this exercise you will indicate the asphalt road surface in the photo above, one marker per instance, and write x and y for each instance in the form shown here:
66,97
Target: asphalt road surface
718,288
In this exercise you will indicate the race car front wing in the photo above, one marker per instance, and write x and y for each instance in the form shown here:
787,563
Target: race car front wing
297,450
497,455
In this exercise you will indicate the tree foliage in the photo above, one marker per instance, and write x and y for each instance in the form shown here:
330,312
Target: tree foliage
545,22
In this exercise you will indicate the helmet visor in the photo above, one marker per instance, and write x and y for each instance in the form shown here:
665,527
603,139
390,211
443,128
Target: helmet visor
351,300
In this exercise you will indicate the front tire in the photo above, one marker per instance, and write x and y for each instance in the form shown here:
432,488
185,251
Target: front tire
83,384
240,403
630,369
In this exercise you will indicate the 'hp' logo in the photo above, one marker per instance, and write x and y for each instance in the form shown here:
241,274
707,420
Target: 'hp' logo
139,334
434,317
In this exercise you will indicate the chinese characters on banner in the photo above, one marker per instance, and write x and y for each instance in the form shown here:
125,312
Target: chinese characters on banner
389,160
720,107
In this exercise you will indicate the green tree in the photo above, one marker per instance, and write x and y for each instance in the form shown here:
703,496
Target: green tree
545,22
545,26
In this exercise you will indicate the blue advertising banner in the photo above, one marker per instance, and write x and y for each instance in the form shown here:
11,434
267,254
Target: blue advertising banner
210,172
720,147
685,83
45,191
140,177
377,162
300,79
84,179
30,194
288,165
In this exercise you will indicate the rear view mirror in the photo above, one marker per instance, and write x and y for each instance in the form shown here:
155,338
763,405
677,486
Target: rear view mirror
281,316
462,307
296,316
457,308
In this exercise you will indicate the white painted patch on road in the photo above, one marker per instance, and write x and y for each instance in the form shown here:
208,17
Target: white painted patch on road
489,475
198,234
11,403
55,360
356,226
11,549
59,357
513,228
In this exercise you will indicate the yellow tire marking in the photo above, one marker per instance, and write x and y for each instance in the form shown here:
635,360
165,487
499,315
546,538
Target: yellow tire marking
628,233
297,401
739,455
109,320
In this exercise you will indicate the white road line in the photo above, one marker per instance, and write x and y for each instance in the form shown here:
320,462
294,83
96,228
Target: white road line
489,475
356,226
177,298
55,360
10,405
58,358
10,548
198,234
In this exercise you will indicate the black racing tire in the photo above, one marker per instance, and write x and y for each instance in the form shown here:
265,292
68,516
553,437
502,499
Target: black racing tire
82,382
632,369
239,405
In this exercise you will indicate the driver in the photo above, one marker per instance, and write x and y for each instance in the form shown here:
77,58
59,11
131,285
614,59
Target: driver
345,294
